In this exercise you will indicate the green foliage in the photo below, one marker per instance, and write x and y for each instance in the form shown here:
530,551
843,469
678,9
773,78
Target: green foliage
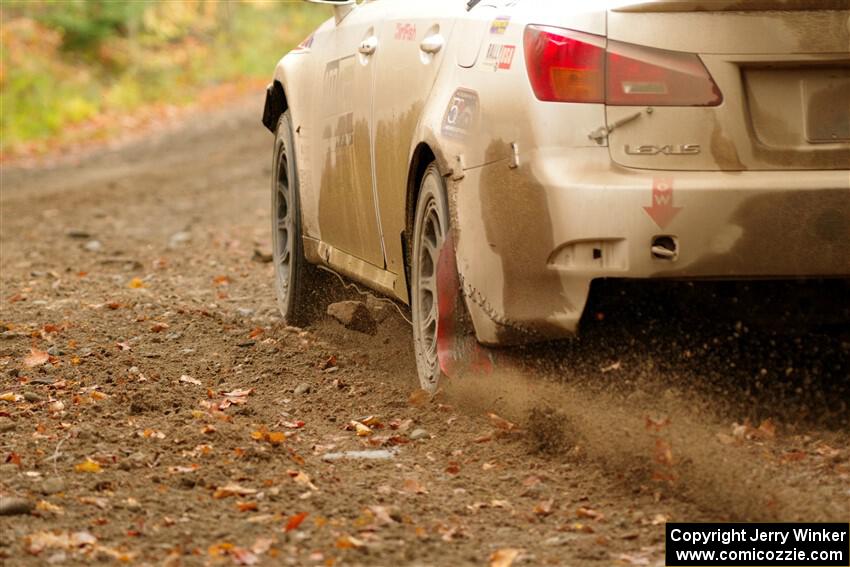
66,61
85,24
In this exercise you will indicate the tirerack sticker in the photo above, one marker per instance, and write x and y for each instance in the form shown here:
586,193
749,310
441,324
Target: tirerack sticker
461,116
500,57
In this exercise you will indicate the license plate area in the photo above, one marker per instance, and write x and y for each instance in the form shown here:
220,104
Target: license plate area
827,100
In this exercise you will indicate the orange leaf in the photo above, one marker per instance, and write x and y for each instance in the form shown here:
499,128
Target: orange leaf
295,521
276,437
88,466
504,557
414,486
136,283
501,423
36,358
247,506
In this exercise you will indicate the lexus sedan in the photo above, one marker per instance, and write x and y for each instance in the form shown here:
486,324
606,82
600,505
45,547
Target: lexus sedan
483,161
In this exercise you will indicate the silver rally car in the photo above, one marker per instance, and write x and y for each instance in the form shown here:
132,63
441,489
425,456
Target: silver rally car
484,161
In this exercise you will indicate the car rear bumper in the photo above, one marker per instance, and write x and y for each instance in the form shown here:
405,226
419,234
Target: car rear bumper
531,239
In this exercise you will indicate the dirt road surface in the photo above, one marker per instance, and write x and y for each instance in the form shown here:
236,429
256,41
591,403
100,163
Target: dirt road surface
154,410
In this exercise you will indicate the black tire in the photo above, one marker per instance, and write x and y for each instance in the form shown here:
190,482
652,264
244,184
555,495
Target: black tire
430,228
295,279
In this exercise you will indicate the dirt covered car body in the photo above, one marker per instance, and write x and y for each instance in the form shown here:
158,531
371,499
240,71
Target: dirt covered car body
576,141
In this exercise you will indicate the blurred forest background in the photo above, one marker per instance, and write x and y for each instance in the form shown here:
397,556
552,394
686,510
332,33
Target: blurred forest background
76,70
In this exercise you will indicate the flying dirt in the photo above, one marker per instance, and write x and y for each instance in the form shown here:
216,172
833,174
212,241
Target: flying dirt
155,410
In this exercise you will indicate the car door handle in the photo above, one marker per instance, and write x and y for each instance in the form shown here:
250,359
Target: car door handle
368,46
432,44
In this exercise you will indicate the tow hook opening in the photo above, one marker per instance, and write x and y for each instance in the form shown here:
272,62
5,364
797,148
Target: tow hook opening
665,247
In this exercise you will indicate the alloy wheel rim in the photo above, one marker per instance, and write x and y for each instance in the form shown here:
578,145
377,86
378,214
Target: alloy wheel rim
283,227
432,237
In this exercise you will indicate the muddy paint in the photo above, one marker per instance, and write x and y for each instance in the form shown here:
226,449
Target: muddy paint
723,149
393,139
346,207
792,233
516,221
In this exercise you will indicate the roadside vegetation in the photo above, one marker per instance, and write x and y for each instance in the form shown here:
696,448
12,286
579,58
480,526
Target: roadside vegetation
73,62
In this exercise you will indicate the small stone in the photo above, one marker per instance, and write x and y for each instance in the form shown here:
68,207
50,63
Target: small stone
78,233
8,469
52,486
93,246
354,315
418,434
173,336
11,506
302,388
54,351
6,425
262,257
178,239
32,397
245,312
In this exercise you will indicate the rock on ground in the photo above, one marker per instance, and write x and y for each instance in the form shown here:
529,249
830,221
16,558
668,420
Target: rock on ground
354,315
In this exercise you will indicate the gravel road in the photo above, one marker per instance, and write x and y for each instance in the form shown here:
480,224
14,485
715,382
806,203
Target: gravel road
155,410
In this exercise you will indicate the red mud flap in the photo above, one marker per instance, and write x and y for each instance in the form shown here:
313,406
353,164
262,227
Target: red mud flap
457,349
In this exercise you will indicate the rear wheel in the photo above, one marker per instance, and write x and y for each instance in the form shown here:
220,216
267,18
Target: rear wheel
295,279
431,225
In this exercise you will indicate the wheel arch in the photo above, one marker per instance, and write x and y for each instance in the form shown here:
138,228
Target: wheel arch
276,105
421,158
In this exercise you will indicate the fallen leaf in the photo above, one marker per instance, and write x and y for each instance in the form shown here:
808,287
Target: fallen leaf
88,466
767,430
295,521
419,398
544,508
159,327
361,429
611,367
349,542
232,489
504,557
663,452
302,478
189,380
276,438
297,424
36,358
413,486
136,283
501,423
11,397
584,512
221,280
247,506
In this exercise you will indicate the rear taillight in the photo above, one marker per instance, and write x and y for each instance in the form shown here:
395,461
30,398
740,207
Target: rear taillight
565,66
568,66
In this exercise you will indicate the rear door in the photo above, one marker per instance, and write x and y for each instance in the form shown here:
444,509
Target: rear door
415,41
783,76
343,150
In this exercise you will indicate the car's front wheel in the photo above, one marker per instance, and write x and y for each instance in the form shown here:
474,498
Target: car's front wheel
295,279
430,228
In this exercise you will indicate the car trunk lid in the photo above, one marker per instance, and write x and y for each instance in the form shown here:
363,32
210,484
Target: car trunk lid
783,68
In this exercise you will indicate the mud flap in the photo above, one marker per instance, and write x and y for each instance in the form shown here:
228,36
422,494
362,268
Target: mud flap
458,351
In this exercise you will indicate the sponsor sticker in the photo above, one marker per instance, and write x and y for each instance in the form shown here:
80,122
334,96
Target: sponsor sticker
500,25
461,116
500,56
405,32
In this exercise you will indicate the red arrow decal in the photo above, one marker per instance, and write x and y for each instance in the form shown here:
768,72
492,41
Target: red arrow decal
662,210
